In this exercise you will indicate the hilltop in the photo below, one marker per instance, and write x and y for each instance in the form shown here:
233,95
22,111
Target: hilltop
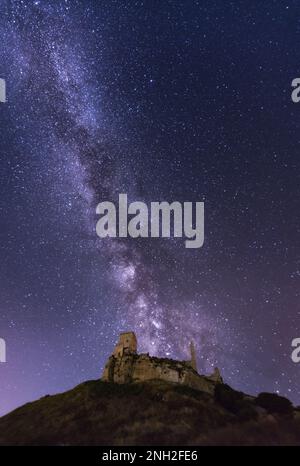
152,413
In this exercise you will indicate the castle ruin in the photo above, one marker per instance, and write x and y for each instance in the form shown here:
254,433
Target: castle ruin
125,365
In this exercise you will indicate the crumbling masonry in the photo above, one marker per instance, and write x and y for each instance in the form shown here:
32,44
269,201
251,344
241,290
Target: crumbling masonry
125,365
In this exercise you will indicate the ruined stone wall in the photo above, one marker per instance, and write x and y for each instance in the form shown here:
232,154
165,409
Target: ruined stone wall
137,368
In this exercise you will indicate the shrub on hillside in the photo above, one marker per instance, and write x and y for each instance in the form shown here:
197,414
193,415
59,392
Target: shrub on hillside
235,402
274,403
246,411
227,397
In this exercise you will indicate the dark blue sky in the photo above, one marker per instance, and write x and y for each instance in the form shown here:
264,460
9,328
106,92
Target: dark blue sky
173,100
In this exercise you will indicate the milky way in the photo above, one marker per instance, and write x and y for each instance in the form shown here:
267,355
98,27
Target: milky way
189,103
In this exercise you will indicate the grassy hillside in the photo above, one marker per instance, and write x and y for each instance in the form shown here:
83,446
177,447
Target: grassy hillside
152,413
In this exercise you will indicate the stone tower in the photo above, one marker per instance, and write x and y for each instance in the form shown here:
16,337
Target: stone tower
127,344
216,376
193,356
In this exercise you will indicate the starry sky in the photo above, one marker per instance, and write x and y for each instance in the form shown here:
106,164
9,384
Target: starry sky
177,100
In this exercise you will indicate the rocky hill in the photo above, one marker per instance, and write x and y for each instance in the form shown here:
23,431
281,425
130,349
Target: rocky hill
152,413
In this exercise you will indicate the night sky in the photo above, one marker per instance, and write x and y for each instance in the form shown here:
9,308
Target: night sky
165,101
